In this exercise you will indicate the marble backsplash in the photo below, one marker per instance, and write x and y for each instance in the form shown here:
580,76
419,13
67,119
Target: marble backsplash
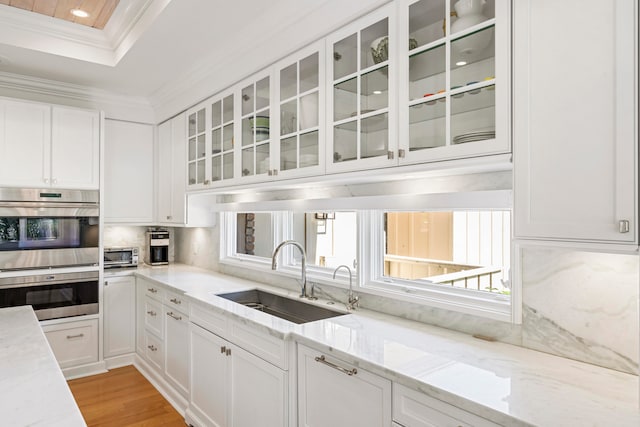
130,236
579,305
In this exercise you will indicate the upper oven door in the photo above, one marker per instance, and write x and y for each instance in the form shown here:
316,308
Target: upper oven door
41,234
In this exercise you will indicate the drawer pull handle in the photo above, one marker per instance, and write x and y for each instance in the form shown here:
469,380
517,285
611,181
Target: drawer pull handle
349,372
152,348
153,290
170,314
70,337
151,313
175,301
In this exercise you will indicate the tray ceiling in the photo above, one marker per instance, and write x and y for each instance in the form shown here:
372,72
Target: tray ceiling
99,10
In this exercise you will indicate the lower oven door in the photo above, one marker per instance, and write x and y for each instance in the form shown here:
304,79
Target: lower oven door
53,295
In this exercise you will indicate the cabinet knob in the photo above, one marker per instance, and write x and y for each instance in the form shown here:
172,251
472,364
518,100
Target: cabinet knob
54,181
623,226
152,290
169,217
46,180
151,313
228,352
106,283
152,347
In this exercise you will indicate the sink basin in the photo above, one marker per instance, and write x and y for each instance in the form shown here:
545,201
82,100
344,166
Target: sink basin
285,308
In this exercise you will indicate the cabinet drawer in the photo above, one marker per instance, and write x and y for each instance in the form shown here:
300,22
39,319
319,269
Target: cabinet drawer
414,409
153,321
153,290
74,343
209,320
154,351
271,349
176,301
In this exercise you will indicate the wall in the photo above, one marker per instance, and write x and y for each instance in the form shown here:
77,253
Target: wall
579,305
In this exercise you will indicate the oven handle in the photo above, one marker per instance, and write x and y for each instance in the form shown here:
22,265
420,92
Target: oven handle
49,280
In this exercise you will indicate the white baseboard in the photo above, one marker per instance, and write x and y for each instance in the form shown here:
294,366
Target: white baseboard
192,419
176,400
84,370
120,361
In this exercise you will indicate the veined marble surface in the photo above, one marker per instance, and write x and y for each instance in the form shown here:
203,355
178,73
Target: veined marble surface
33,391
507,384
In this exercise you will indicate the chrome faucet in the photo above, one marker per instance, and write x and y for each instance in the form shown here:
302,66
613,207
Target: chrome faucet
352,299
274,263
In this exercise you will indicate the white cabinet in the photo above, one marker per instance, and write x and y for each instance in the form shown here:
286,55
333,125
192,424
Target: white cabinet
75,148
128,177
48,146
333,393
232,387
73,343
170,172
176,340
119,302
414,409
575,118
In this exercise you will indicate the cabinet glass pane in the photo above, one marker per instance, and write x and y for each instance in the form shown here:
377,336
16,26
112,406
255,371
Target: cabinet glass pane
227,165
427,125
345,141
288,117
374,44
345,57
192,149
262,125
426,22
216,114
227,114
470,13
345,101
216,168
247,131
289,81
374,91
473,58
288,153
201,146
473,115
309,149
200,178
216,141
228,137
192,124
262,93
309,67
374,136
247,161
427,73
192,173
200,120
247,100
262,158
309,111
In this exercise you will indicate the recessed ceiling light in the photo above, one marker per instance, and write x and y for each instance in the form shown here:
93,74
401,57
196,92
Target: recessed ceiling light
377,92
461,63
79,13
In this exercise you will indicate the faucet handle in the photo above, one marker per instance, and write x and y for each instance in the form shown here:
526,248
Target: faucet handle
313,296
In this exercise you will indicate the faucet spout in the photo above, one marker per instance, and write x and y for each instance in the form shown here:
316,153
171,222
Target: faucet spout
352,301
274,263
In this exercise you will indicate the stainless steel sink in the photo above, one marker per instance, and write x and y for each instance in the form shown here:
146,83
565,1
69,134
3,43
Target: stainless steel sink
295,311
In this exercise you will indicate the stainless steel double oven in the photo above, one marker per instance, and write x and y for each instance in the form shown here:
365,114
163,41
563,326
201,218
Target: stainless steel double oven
49,229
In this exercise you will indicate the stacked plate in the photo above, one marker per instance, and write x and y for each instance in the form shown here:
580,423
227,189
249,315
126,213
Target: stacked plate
474,136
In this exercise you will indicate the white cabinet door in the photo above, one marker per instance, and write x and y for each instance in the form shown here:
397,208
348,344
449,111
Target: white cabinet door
25,144
75,148
119,316
171,171
73,343
209,378
176,343
258,385
128,177
326,385
575,148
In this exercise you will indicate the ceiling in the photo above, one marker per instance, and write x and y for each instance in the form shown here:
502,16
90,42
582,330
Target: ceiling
149,48
99,10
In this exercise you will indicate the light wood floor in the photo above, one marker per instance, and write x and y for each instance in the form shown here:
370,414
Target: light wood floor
123,397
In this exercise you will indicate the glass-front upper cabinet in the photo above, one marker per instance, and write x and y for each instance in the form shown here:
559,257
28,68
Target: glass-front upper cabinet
454,102
222,138
361,66
197,170
256,127
300,82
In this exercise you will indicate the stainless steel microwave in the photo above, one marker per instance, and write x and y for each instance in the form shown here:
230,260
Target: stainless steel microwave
120,257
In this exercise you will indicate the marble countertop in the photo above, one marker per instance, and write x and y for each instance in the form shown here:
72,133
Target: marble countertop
507,384
33,391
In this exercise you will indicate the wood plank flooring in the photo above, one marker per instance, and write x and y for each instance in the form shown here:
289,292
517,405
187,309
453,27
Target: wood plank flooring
123,397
